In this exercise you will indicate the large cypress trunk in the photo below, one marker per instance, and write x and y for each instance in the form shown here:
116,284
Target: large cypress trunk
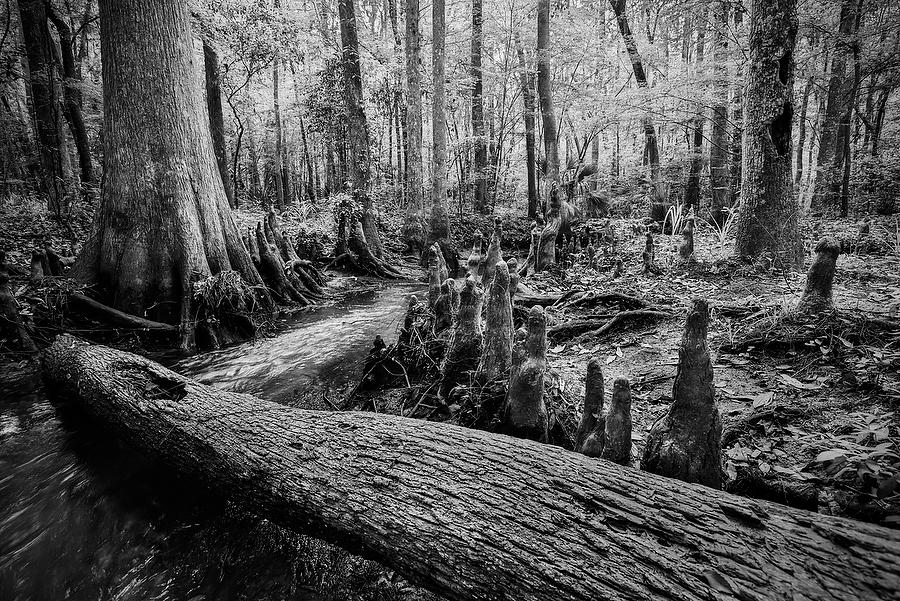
413,232
163,221
56,179
471,515
768,223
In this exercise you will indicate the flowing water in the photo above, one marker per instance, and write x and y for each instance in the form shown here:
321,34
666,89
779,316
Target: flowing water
83,518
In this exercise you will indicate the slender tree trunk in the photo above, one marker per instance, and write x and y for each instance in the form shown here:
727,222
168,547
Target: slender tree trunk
737,116
57,181
651,145
439,220
769,219
279,159
413,231
159,233
545,93
692,190
481,203
72,94
718,145
471,515
527,83
216,118
801,131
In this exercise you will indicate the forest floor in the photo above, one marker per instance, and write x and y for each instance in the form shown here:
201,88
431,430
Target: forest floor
814,422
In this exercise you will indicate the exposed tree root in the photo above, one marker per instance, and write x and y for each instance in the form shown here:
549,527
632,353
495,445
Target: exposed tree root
107,314
601,324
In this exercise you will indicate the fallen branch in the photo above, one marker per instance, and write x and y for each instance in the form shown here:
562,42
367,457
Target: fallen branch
118,318
470,515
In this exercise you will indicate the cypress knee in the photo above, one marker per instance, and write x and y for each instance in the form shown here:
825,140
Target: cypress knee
37,266
11,326
593,403
512,265
498,329
686,442
617,440
493,255
437,273
525,414
648,255
820,277
464,348
445,309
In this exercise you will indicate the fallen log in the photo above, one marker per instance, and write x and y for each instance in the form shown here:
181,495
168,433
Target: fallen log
472,515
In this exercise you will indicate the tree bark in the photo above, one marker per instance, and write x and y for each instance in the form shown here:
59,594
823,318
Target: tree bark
72,95
163,221
768,223
57,179
471,515
801,132
481,203
216,119
413,232
280,197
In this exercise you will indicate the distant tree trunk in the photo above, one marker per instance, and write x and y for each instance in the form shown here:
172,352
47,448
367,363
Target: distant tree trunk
718,146
737,117
358,134
527,83
72,94
160,232
253,163
801,131
838,111
49,123
439,221
216,119
279,159
692,190
481,203
312,185
545,94
651,146
769,218
413,232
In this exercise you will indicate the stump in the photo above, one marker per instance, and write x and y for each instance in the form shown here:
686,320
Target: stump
820,278
11,326
38,258
618,268
525,414
649,255
464,348
617,439
592,415
498,329
686,248
686,443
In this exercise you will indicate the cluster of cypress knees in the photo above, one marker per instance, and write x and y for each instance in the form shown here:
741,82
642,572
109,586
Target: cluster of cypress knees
483,347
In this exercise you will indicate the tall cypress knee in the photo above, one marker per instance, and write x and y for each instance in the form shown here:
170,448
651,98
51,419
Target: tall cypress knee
525,414
820,278
617,425
498,329
686,443
592,414
464,348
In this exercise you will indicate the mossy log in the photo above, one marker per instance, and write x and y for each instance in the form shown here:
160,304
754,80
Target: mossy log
470,515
